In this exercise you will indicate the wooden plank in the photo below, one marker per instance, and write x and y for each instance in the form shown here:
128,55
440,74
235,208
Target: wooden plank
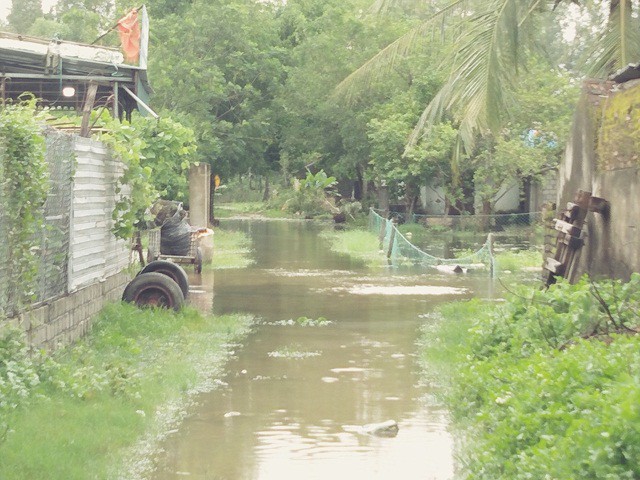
572,211
566,227
554,266
85,129
572,242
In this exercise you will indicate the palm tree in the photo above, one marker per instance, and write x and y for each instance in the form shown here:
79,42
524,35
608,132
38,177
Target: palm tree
490,41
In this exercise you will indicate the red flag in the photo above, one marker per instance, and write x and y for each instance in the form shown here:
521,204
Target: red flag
129,30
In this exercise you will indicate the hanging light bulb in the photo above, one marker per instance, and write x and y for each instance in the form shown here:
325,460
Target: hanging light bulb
68,91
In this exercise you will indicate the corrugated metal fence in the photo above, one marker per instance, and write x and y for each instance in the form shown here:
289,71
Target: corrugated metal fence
76,246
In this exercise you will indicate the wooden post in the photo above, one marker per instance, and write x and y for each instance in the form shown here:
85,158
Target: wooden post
85,129
492,267
569,239
392,238
383,232
116,112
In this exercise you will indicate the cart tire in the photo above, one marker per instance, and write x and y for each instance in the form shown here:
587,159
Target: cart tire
198,261
172,270
154,290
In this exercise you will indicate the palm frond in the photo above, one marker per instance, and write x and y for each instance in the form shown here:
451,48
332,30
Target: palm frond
619,43
386,59
483,71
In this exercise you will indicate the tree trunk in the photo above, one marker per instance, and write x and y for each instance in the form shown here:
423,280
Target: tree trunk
383,198
267,191
487,210
410,198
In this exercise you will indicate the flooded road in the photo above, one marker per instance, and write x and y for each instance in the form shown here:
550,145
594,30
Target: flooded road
334,350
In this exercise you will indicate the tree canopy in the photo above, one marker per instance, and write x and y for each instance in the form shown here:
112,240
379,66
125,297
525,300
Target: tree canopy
369,91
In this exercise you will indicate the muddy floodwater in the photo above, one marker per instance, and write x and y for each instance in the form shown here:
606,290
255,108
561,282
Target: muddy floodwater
298,392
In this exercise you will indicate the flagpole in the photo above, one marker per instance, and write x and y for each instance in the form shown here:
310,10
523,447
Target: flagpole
114,27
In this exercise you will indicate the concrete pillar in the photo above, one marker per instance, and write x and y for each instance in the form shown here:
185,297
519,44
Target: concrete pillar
199,194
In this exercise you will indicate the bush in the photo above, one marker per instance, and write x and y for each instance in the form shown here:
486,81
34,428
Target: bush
547,385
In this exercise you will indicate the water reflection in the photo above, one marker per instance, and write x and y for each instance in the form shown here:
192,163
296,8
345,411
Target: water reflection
296,393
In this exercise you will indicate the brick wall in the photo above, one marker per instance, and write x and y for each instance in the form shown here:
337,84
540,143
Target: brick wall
65,319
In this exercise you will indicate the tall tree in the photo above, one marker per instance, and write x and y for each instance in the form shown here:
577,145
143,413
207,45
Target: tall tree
490,40
23,14
221,66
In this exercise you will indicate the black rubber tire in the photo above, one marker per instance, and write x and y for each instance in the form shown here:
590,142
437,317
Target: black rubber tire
171,270
154,290
197,265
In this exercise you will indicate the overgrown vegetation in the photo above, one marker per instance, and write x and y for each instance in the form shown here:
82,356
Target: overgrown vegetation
156,156
23,191
309,197
546,385
76,411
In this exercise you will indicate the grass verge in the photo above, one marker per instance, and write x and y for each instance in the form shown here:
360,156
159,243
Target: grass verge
232,249
78,413
358,244
248,209
546,385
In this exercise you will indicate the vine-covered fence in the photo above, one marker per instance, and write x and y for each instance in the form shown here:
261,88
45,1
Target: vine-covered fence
79,263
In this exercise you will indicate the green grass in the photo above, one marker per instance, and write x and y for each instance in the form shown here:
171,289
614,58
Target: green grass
443,338
97,398
248,209
358,244
232,249
518,260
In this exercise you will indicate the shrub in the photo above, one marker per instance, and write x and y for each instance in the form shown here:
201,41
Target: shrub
547,385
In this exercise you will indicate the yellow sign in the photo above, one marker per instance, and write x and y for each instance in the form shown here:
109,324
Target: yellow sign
216,181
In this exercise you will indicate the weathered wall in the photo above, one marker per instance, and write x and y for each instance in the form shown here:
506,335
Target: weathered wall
602,158
95,253
96,260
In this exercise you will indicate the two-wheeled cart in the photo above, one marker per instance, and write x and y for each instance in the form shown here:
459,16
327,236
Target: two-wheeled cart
193,257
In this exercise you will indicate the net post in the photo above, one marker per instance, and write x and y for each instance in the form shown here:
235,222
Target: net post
492,262
392,238
382,233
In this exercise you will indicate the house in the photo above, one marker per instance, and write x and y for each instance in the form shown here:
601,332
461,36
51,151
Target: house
73,76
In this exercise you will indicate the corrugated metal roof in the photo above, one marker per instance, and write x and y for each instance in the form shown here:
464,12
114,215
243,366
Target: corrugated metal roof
43,67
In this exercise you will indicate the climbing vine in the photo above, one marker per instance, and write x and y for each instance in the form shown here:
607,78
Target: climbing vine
156,155
23,191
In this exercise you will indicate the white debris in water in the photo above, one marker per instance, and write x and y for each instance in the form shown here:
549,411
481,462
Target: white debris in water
293,354
398,355
280,272
348,370
330,379
232,414
402,290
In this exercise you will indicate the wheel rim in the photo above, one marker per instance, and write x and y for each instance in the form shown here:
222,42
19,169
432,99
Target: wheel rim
155,297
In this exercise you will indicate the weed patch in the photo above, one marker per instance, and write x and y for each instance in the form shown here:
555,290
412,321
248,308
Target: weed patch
546,385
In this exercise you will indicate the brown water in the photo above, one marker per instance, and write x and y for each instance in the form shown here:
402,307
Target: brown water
295,397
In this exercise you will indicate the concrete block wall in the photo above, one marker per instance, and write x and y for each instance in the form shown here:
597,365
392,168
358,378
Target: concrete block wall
67,318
